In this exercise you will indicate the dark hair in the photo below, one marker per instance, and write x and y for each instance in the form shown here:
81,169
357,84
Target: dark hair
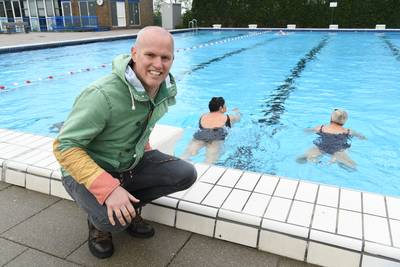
215,103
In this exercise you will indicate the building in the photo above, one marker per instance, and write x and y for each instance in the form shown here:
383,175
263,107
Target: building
61,15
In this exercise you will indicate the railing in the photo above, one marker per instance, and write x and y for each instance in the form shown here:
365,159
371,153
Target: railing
57,23
193,24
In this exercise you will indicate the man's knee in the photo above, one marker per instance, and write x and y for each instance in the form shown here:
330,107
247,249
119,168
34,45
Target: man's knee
102,223
187,174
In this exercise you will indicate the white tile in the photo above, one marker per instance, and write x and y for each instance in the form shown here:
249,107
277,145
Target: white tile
197,208
37,158
46,161
159,214
376,229
58,190
239,217
301,213
248,181
38,184
393,205
195,223
28,139
283,245
285,228
15,177
201,169
286,188
212,175
350,223
11,151
179,194
18,166
369,261
38,143
9,138
306,192
350,200
216,196
197,192
330,256
328,196
236,233
236,200
266,184
374,204
54,166
230,177
56,175
39,171
324,218
278,209
256,204
26,156
337,240
395,229
382,250
166,201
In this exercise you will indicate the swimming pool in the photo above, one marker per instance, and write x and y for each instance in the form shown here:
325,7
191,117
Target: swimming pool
282,84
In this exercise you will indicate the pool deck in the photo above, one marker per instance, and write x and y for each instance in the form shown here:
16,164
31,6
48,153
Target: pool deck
308,222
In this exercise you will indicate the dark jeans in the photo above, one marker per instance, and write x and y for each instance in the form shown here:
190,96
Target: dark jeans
156,175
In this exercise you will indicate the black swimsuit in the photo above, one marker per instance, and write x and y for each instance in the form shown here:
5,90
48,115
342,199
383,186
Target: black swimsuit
332,143
212,134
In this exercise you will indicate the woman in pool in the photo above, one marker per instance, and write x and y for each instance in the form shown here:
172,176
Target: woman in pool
333,139
213,129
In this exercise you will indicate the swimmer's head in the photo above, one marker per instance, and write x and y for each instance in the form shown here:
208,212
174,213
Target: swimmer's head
339,116
216,103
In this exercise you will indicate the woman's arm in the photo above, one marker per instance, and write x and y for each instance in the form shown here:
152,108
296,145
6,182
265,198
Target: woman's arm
236,116
358,135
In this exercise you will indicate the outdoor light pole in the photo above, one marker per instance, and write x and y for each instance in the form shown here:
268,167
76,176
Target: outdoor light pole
332,5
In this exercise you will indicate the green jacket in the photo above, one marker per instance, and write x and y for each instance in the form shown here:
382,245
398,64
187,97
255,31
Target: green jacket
112,120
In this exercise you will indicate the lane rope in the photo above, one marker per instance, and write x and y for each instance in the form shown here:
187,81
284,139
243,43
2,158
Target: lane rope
15,85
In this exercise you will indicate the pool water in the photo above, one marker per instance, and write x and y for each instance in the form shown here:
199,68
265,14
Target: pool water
281,84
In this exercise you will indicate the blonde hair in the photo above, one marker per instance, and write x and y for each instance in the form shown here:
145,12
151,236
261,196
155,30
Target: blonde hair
339,116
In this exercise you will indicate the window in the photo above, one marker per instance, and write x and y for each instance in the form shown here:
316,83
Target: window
32,8
134,14
49,8
2,10
40,6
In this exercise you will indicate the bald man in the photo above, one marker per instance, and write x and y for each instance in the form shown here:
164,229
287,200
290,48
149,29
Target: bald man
107,164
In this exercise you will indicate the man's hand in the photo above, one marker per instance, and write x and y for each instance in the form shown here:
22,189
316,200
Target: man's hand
120,203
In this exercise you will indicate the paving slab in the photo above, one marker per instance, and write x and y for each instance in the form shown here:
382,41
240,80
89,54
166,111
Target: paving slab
130,251
9,250
286,262
17,204
205,251
4,185
57,230
33,257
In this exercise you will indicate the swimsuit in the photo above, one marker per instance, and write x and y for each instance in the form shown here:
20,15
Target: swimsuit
332,143
212,134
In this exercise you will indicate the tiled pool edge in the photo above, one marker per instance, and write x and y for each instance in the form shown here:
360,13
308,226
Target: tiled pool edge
278,215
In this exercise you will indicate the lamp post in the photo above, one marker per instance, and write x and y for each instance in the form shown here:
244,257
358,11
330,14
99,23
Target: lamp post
332,5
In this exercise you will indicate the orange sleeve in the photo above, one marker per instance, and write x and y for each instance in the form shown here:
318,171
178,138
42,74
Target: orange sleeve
85,171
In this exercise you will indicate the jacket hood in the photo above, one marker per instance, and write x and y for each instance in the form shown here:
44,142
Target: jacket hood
167,88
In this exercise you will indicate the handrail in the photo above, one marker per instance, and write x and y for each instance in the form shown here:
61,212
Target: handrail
193,24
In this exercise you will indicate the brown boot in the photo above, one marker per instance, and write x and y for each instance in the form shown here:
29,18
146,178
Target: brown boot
100,243
139,227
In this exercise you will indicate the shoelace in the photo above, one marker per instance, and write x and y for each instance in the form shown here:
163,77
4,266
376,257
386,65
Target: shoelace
101,236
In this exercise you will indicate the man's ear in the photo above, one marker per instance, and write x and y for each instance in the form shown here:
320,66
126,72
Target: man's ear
133,53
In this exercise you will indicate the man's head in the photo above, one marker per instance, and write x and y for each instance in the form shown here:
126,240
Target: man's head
216,104
339,116
152,54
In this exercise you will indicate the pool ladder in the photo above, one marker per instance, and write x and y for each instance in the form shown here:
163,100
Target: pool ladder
193,25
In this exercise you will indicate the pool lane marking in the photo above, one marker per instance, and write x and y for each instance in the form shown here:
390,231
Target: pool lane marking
243,157
275,104
226,55
15,85
392,47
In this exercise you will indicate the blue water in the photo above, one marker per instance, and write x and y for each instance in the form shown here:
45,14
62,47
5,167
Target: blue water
281,84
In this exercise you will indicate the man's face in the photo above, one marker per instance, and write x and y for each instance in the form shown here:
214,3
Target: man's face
153,58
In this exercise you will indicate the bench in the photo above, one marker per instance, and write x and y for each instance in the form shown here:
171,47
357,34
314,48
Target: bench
15,26
252,26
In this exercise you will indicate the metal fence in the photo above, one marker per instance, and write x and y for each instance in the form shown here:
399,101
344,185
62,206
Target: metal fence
57,23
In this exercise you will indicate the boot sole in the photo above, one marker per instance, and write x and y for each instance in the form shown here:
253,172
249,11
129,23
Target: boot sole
144,235
100,255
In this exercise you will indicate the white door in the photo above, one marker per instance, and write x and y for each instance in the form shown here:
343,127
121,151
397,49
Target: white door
16,7
121,14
